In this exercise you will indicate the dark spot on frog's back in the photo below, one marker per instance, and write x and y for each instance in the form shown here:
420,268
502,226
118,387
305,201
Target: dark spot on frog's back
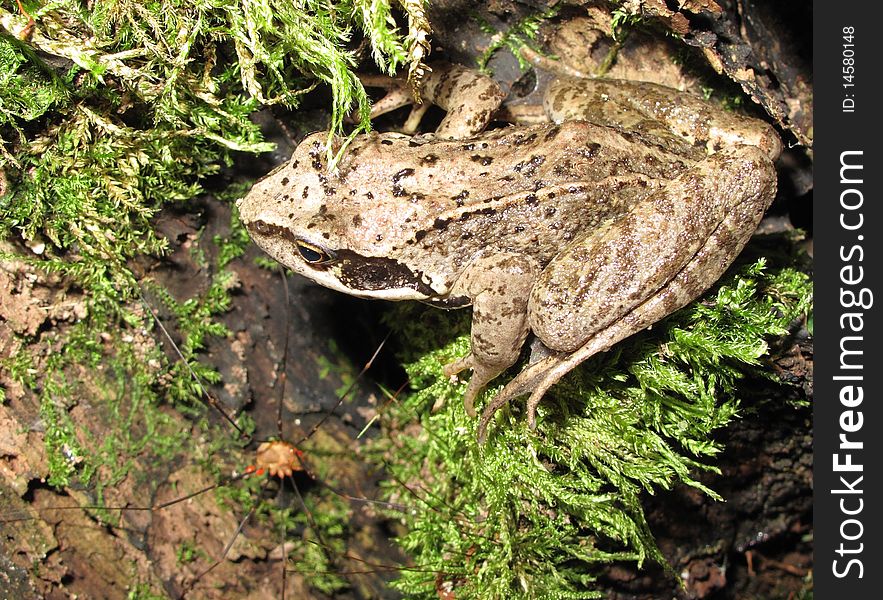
529,167
482,160
357,221
285,180
441,224
429,160
553,131
486,211
370,273
528,139
386,142
317,161
402,174
591,150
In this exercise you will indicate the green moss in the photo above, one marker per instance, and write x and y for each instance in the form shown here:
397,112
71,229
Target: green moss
535,514
623,20
519,35
109,113
143,591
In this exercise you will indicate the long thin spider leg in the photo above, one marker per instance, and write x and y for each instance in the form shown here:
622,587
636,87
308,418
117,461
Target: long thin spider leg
224,553
212,401
283,375
345,393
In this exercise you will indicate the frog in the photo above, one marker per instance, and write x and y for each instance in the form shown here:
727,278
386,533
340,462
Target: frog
627,203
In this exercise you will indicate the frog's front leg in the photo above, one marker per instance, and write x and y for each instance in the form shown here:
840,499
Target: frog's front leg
499,286
654,260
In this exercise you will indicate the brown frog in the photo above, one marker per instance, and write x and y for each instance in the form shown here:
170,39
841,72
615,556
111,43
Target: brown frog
627,205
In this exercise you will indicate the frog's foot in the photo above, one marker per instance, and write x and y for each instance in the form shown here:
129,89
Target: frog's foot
397,95
538,377
499,286
481,375
470,98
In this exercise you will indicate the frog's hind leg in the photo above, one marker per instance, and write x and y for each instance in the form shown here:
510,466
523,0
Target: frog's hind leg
538,377
654,109
706,266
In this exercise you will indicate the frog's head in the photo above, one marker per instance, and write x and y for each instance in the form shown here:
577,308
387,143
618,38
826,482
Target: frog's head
296,215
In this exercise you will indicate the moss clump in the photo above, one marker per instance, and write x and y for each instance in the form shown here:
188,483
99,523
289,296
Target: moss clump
536,514
110,112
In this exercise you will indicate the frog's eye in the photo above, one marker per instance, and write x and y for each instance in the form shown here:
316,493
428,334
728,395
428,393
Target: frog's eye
312,254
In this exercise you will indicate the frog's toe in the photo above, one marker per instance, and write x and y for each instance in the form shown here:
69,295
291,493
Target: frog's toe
486,416
457,366
549,379
535,379
519,386
469,396
450,370
481,375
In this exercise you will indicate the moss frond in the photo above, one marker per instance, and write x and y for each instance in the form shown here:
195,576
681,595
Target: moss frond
520,34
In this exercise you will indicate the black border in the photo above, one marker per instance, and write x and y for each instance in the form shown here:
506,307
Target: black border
837,131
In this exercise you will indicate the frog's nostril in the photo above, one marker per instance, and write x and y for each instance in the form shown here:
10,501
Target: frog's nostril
262,227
